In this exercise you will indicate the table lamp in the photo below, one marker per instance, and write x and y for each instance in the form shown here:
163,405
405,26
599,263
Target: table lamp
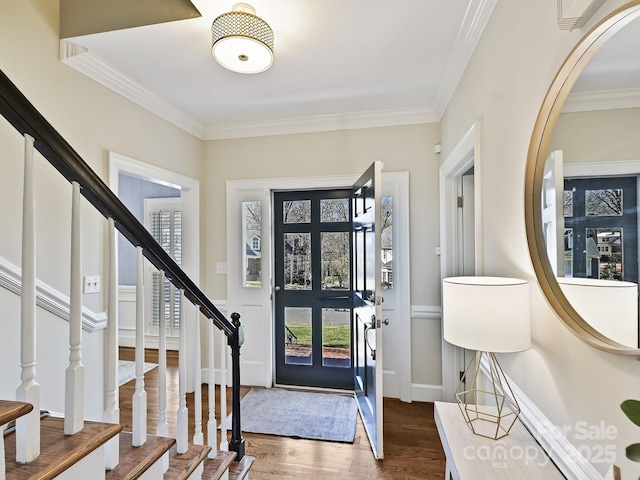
489,315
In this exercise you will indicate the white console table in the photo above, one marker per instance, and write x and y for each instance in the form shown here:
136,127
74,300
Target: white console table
469,456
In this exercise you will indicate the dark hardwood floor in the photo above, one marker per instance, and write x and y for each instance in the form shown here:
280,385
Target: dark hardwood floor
412,445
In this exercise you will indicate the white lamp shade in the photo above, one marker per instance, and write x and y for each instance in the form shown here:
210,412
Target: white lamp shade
489,314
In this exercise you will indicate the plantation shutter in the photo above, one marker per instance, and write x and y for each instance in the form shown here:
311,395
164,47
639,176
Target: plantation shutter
166,228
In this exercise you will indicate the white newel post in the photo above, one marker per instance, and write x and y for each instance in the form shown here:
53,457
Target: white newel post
28,426
224,441
139,395
74,375
212,433
111,402
182,438
198,436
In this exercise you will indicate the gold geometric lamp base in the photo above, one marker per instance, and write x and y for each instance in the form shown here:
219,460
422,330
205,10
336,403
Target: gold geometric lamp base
489,412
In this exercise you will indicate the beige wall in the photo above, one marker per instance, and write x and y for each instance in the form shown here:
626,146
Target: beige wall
406,148
92,119
599,136
503,87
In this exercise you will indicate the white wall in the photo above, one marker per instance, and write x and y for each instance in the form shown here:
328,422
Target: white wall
503,88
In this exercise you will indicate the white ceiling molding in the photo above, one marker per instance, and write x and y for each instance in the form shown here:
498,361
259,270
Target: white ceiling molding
602,100
94,67
321,123
474,23
575,13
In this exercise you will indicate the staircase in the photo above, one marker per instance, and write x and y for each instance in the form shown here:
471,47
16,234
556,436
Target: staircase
74,444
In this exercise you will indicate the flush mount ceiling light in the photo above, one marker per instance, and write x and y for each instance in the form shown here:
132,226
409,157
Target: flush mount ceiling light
242,41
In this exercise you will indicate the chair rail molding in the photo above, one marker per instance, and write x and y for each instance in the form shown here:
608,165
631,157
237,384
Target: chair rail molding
49,298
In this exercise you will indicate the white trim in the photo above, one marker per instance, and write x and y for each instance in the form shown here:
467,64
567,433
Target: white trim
322,123
427,312
565,456
49,298
601,169
476,18
602,100
426,393
466,153
96,68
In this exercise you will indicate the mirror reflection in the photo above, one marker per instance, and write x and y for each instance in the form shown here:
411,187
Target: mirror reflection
590,190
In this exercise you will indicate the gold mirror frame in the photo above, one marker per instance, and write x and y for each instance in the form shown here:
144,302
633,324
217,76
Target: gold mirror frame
536,157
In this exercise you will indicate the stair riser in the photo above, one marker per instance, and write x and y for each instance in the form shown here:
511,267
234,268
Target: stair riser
91,466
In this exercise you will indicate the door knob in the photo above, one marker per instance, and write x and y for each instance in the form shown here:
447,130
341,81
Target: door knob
277,289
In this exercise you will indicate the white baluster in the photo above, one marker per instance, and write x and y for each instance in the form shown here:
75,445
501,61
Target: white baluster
182,438
28,426
111,401
212,433
140,395
163,426
74,375
198,436
224,441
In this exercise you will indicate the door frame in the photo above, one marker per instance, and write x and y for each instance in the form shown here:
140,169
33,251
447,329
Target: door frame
190,199
465,155
260,370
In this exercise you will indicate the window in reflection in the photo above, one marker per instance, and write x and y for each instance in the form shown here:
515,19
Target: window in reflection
603,202
604,253
568,203
386,235
568,252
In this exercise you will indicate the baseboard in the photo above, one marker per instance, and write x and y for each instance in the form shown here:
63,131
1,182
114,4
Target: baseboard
48,298
426,393
562,452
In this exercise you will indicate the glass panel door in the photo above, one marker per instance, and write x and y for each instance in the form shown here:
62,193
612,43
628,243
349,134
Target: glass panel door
313,288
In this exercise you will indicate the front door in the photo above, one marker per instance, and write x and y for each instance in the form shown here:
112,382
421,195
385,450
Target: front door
313,299
368,300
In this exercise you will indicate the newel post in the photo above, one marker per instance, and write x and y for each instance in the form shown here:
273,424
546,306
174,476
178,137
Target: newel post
235,342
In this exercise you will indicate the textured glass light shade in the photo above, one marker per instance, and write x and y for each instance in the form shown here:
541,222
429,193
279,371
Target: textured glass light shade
241,41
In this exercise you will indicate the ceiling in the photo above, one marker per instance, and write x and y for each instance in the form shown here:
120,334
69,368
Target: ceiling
339,64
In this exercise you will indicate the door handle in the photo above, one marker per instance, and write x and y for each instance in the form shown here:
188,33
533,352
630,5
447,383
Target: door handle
277,288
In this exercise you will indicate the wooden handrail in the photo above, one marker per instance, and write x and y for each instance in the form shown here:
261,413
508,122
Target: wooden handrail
25,118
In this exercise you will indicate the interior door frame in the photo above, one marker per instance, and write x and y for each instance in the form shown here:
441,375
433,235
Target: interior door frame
466,154
190,198
261,372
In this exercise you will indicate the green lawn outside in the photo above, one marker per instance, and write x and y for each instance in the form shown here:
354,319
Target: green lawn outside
339,337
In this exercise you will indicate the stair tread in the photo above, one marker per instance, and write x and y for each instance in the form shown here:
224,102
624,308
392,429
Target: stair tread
214,468
57,450
10,410
183,465
239,470
134,461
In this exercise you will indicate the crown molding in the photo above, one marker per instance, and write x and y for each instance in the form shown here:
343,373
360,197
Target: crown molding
476,19
602,100
96,68
575,13
49,298
321,123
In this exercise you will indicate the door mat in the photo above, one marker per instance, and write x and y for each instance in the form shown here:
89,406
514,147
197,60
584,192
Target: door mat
288,413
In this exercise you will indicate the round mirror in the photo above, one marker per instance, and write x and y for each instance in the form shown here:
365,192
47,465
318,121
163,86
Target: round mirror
582,184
